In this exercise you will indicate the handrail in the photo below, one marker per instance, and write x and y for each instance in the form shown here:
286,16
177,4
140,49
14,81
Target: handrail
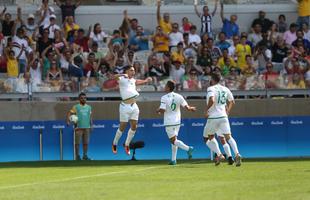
146,96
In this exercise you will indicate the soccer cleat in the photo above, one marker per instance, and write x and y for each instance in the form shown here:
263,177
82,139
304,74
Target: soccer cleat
238,160
127,150
85,157
230,160
173,162
78,157
190,152
114,148
218,159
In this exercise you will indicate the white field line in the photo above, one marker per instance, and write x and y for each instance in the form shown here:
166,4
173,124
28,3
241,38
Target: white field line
83,177
77,178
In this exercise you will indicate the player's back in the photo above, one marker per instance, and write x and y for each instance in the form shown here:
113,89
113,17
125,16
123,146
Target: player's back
221,94
172,102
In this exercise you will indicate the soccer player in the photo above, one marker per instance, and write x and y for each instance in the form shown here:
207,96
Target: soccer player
219,103
170,106
83,125
128,109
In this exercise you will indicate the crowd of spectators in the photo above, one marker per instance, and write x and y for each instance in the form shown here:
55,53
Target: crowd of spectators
38,54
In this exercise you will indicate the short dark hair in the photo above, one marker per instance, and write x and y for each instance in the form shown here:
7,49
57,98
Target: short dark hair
127,67
216,77
82,94
171,85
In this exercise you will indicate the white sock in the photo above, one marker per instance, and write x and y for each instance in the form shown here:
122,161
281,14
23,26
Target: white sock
214,146
174,149
130,135
233,145
117,136
227,149
180,144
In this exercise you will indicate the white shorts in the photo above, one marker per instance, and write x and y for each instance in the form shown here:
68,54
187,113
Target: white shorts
172,131
217,126
128,112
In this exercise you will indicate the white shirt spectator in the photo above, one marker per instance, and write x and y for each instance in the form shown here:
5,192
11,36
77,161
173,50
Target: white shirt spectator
255,38
175,38
194,38
18,43
46,20
52,29
307,35
99,38
36,74
176,74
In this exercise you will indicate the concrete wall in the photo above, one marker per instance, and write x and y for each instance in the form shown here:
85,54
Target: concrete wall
111,17
40,111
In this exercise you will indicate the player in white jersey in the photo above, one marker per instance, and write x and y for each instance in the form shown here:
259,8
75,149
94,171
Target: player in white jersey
219,103
128,109
170,105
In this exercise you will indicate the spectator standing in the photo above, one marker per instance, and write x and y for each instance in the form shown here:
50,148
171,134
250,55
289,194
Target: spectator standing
264,22
303,12
164,22
7,23
205,18
68,8
45,11
230,27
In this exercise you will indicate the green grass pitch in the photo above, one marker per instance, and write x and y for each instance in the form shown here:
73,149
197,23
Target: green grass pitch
146,180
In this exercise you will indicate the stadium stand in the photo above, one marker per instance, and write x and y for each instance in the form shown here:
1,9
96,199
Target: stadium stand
40,54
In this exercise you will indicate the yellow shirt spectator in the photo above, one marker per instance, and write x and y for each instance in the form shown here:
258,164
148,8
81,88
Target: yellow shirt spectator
69,28
221,62
304,8
177,56
12,67
167,27
161,43
242,51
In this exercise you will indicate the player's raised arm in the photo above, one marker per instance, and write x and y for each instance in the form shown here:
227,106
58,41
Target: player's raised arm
141,82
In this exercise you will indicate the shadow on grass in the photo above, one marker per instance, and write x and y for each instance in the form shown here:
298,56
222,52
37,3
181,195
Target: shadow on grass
110,163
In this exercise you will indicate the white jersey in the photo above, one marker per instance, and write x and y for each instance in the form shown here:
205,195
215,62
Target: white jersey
171,103
127,88
221,94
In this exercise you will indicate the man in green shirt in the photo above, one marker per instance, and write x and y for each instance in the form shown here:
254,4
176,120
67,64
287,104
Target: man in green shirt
83,125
